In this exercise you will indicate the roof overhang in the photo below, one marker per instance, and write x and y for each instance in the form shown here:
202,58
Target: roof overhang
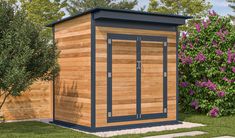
130,15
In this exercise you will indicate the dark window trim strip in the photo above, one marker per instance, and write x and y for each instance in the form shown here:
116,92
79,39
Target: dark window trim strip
109,79
121,118
93,72
153,116
138,76
153,38
133,37
133,117
122,36
165,78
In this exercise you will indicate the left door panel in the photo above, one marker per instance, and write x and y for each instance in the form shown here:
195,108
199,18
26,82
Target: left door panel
122,78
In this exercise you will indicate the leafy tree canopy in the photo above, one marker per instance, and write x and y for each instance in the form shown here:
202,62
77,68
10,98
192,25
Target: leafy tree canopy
76,6
43,12
25,55
183,7
195,8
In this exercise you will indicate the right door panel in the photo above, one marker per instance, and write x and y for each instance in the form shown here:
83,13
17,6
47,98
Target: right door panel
151,77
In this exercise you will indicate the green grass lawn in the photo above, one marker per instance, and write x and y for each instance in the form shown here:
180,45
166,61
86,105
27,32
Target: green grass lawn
37,130
215,127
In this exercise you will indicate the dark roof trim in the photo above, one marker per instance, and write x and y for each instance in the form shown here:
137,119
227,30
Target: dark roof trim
135,25
138,17
134,13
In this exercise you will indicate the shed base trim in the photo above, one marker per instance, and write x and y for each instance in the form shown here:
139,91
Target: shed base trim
112,128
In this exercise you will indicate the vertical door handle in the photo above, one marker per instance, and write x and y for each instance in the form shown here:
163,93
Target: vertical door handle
165,74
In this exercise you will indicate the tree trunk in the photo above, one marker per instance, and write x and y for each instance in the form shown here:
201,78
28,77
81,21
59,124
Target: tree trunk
4,95
2,120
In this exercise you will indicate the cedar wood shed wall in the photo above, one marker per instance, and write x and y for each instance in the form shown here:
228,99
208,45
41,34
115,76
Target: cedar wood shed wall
35,103
80,94
72,88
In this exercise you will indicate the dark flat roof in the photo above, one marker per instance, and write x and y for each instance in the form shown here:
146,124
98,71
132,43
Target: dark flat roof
95,10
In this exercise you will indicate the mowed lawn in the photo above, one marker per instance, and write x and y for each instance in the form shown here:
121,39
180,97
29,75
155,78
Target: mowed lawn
33,129
215,127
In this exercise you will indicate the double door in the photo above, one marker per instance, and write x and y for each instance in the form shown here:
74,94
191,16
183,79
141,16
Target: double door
136,77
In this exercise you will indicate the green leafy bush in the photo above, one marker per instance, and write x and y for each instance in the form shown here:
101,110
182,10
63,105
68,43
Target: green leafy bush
25,55
207,67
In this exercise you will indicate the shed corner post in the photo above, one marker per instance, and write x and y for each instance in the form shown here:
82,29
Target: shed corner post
177,73
53,82
93,73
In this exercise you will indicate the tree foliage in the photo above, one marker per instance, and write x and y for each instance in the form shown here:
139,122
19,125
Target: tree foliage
207,67
183,7
195,8
43,12
76,6
25,55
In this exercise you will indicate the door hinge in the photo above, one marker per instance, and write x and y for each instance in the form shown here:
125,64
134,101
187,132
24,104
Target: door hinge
138,116
165,74
138,64
165,43
109,74
165,110
109,114
109,41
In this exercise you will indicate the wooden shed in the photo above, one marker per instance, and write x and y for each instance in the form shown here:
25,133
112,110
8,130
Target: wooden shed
118,69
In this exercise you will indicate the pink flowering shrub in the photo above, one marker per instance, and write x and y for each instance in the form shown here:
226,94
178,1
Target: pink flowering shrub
207,67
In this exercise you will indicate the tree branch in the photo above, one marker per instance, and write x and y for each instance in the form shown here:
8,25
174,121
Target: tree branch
4,100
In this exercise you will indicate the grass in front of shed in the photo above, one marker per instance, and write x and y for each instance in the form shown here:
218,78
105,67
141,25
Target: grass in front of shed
223,126
34,129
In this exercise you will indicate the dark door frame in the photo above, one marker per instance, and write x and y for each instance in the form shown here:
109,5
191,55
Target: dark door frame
138,115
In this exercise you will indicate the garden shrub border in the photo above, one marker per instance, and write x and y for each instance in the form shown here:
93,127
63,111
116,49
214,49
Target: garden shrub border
207,67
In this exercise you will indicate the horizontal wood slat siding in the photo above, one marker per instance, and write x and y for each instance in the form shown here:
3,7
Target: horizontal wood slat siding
72,92
123,78
101,73
151,77
35,103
